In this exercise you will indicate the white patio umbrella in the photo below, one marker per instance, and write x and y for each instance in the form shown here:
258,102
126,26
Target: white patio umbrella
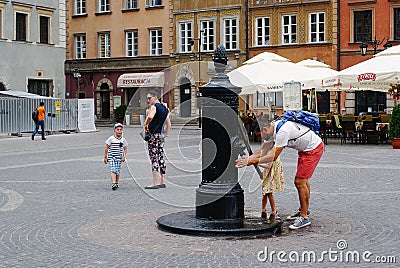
266,56
268,76
375,74
319,70
390,51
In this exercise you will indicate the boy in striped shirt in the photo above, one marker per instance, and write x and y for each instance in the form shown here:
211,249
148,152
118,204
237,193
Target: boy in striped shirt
115,153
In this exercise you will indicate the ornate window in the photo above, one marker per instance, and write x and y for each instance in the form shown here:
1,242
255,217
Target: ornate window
104,45
208,41
317,27
80,46
362,25
396,23
80,7
184,35
131,4
289,29
21,26
263,35
155,42
131,43
270,99
230,33
104,5
1,23
44,29
154,3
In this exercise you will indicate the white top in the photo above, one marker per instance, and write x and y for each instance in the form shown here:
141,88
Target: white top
116,146
291,130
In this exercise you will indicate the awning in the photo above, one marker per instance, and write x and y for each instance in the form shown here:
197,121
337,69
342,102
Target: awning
22,94
141,80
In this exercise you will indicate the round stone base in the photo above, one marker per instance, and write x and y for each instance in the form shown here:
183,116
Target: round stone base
185,222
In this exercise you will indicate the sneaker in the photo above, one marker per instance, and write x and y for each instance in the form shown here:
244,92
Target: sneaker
117,185
114,186
296,215
33,137
300,222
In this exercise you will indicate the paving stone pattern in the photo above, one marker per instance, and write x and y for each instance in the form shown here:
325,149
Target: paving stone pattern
57,208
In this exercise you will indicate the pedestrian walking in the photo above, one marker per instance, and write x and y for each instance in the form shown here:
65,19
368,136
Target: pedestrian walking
310,149
157,117
115,154
41,112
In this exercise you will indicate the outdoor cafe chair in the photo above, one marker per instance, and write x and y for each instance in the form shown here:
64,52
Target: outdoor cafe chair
336,127
348,129
323,128
383,127
370,133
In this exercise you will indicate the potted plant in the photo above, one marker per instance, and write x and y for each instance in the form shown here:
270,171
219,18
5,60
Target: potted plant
394,91
394,124
119,113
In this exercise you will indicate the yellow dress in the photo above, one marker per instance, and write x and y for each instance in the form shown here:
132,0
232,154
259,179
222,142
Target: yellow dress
273,178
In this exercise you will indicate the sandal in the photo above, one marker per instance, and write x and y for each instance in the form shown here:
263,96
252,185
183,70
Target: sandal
272,216
263,214
152,187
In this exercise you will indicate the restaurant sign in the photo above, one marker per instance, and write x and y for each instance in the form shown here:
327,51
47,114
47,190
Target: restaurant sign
366,77
141,80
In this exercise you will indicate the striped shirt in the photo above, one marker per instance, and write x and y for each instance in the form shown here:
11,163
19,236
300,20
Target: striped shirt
116,148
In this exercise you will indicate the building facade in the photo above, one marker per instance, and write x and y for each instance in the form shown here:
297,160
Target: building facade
31,31
296,30
116,52
375,24
198,27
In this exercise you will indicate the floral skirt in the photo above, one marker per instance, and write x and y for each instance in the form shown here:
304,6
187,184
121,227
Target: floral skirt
273,181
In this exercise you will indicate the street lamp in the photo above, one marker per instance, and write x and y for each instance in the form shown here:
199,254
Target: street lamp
191,43
77,75
375,43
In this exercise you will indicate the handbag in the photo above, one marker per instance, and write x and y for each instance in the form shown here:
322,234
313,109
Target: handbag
145,135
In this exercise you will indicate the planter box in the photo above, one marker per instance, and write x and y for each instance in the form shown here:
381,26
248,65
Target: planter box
396,143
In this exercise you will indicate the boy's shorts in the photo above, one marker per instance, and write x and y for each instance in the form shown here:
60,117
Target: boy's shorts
115,165
308,161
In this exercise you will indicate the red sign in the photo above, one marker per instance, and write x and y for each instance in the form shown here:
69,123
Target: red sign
366,77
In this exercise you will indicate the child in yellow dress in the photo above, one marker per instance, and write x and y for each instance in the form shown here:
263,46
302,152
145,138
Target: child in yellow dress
273,182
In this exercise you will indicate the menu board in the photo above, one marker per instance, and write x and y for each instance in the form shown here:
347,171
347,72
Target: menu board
292,97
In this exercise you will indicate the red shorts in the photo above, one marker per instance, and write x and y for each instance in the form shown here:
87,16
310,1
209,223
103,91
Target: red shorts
308,161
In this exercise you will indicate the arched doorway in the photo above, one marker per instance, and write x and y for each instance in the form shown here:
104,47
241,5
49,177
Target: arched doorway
185,97
105,100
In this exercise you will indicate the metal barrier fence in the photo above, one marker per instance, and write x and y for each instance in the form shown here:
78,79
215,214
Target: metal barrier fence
16,114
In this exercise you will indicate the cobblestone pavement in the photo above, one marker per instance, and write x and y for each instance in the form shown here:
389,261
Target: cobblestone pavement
57,208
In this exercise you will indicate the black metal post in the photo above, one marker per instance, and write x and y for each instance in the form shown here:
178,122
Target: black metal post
199,94
220,196
246,6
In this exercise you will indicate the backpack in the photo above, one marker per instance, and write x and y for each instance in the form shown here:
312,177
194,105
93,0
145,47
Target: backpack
301,117
35,115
